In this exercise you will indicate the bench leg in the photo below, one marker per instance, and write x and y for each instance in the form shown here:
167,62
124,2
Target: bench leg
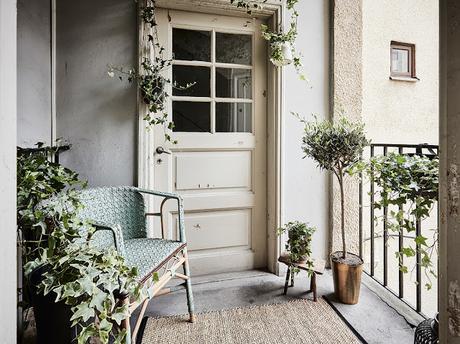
125,325
188,286
313,286
288,274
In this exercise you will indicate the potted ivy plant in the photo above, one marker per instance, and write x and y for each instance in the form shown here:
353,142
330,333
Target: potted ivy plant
298,243
336,147
71,285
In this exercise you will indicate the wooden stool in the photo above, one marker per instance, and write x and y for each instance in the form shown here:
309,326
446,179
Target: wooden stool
318,268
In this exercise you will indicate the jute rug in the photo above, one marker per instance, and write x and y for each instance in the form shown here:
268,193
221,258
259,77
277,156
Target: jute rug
299,321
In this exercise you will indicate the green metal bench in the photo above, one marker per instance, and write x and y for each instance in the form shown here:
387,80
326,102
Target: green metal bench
119,215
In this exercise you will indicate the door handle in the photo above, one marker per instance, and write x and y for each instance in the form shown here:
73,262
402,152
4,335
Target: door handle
161,150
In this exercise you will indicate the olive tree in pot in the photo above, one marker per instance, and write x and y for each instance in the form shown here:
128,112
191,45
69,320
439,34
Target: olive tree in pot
336,147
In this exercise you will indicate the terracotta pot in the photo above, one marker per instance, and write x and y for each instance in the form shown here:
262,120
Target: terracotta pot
347,277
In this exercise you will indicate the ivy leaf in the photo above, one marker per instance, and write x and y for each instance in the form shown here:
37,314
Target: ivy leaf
421,240
82,312
120,313
408,251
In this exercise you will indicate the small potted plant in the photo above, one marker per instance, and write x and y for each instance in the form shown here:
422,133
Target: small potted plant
299,241
336,147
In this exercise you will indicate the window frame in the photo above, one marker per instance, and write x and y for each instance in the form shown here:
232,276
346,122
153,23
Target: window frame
410,48
213,65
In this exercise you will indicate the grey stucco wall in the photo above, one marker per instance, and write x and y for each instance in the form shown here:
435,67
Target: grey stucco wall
95,113
449,135
347,97
34,72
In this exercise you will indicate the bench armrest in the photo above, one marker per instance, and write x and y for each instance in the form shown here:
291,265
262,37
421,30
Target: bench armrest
116,232
180,208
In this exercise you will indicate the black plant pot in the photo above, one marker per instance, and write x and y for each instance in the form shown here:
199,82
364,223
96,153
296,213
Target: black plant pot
52,319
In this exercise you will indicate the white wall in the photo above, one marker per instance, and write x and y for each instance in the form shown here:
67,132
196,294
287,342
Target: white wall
398,111
306,191
8,171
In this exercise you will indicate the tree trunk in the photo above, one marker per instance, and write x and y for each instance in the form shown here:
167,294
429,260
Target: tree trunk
342,216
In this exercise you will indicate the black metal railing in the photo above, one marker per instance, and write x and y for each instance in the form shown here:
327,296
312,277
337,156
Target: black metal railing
376,149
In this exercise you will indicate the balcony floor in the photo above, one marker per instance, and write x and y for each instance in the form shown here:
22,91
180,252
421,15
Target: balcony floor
372,318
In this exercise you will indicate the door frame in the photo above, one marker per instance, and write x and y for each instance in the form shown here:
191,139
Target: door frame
273,11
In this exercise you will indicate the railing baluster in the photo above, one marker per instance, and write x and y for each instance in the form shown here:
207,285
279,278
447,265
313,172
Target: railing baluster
385,238
401,245
360,218
418,230
372,217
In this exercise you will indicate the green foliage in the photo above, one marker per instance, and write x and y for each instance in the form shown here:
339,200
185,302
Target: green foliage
336,147
45,223
409,185
150,79
51,234
299,242
278,38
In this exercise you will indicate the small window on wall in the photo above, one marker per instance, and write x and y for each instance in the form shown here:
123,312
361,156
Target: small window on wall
402,61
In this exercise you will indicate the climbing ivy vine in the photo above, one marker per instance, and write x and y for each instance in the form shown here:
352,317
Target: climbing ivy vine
408,186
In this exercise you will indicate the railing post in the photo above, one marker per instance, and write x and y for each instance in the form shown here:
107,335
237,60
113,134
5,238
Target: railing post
400,247
372,217
385,237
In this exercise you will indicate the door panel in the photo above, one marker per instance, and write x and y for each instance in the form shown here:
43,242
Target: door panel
218,229
213,170
219,163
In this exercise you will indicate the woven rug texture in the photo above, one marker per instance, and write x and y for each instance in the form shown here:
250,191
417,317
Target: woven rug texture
300,321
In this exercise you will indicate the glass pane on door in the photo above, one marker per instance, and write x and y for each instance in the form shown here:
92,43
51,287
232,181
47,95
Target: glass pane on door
199,77
233,48
191,45
191,116
234,117
233,83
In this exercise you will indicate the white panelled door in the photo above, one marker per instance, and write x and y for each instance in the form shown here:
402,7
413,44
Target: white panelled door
219,163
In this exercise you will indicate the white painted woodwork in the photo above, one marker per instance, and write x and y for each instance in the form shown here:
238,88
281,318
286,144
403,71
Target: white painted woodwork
212,170
8,111
218,229
220,175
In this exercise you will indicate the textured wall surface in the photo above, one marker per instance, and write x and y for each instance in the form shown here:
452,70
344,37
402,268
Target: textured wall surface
449,290
305,196
95,113
398,111
34,72
347,97
8,248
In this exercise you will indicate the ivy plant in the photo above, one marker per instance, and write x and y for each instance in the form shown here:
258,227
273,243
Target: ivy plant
408,186
150,79
277,38
299,242
51,235
335,146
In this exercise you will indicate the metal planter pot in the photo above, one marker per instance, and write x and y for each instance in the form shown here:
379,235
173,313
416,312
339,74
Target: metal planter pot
52,319
347,277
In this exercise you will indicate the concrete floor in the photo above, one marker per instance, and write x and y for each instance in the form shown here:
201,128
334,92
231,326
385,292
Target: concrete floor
372,318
